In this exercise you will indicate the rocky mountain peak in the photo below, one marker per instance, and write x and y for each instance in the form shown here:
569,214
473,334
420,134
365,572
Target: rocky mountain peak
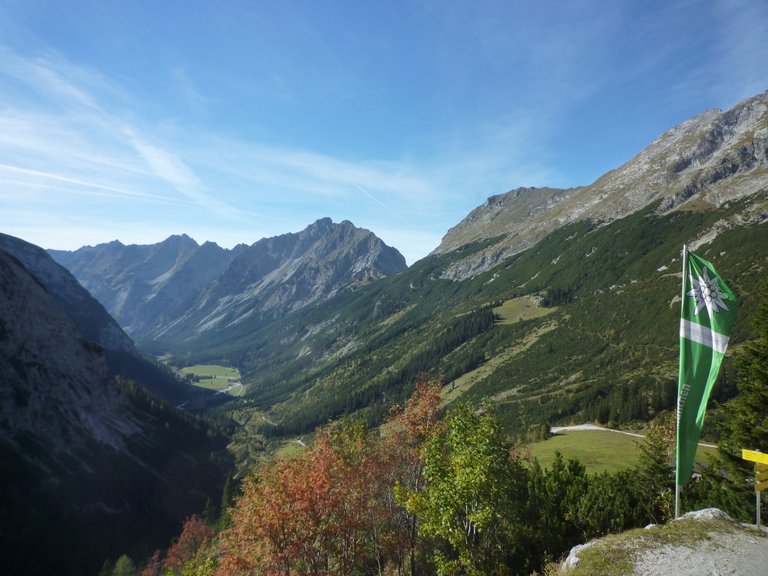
702,157
708,160
178,285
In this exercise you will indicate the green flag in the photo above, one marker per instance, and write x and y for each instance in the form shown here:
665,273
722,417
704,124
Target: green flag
707,314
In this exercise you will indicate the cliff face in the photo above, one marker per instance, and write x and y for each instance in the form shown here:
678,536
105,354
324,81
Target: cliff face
91,467
57,393
95,324
705,162
90,317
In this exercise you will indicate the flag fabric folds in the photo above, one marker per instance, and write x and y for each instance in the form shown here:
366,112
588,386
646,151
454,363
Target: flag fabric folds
707,314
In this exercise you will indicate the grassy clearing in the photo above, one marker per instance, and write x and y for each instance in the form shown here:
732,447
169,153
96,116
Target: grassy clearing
522,308
292,448
466,381
215,377
598,450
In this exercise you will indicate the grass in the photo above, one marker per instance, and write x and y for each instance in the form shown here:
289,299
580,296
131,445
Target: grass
469,379
598,450
291,448
522,308
215,377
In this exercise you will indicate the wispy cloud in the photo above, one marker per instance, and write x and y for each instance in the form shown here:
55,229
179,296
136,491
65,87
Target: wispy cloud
88,137
177,173
382,204
36,178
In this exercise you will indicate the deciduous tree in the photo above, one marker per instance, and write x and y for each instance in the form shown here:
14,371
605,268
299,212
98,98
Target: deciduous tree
194,535
473,497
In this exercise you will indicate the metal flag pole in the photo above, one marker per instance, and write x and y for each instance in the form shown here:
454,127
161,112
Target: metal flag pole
677,431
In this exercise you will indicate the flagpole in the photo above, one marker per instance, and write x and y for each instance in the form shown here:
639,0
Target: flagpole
677,428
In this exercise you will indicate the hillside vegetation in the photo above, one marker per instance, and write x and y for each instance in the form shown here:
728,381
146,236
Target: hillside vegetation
453,496
601,346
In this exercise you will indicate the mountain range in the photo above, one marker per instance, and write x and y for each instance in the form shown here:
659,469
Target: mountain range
164,289
705,162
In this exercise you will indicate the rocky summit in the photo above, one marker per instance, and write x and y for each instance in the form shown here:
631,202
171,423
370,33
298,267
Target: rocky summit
178,287
705,162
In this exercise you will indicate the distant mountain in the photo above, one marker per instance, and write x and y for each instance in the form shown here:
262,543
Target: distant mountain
705,162
177,289
91,466
96,325
145,286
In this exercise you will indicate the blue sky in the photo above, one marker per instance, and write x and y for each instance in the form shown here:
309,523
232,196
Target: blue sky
236,120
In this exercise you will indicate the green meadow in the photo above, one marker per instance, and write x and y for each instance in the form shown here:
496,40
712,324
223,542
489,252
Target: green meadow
598,450
214,377
521,308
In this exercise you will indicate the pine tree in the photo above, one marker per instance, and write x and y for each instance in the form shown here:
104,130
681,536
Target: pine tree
124,567
656,468
228,496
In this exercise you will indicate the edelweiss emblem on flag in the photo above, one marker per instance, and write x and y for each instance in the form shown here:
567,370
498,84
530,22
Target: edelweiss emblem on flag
707,293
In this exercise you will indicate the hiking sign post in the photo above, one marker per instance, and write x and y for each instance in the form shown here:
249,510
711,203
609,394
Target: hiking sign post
761,476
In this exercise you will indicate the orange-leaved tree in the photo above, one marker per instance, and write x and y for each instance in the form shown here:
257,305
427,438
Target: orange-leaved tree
195,535
332,510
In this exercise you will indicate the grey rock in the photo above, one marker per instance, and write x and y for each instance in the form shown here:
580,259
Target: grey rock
177,289
707,161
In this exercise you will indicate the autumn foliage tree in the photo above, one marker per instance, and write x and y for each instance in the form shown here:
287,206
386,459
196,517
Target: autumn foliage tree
332,510
195,536
405,433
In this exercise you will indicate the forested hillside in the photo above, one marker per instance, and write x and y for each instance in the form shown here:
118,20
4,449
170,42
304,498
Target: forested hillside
448,496
601,345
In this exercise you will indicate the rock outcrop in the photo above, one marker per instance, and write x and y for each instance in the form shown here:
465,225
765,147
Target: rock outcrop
707,161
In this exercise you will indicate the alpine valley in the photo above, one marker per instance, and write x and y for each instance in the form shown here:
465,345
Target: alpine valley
557,305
